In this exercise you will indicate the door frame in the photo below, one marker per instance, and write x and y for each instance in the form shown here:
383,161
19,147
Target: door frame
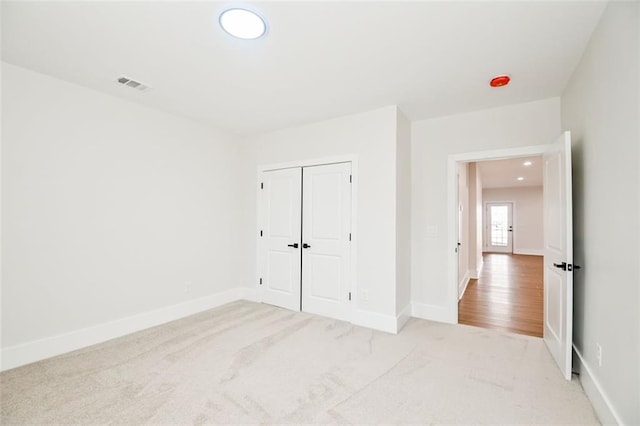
486,225
450,314
353,159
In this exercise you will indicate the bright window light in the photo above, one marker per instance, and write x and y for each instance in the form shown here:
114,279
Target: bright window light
527,163
242,23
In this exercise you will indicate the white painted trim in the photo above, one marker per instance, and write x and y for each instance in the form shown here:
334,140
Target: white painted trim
250,294
259,213
433,313
403,317
375,320
349,158
451,307
528,251
465,283
26,353
475,273
308,163
602,405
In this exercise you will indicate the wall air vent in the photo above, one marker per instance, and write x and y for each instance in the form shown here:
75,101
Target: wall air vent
126,81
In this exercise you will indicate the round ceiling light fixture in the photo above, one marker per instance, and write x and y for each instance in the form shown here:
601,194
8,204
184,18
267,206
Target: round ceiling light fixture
527,163
499,81
520,178
242,23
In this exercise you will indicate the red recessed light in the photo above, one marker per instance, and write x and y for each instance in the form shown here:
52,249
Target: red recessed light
500,80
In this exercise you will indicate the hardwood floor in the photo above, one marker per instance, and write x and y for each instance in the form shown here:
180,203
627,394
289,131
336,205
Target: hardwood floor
507,296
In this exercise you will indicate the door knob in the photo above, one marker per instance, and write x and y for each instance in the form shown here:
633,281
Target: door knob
294,245
305,245
562,265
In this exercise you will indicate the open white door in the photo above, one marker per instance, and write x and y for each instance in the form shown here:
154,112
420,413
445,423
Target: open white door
326,240
558,252
279,251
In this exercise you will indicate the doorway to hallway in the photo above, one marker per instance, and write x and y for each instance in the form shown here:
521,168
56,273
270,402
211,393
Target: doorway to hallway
508,295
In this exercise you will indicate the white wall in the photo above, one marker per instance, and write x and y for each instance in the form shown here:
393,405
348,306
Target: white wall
475,221
527,216
600,108
433,141
109,209
403,215
463,227
371,137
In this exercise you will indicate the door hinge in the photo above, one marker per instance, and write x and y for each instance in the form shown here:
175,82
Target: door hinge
349,236
349,295
261,232
260,281
350,178
261,185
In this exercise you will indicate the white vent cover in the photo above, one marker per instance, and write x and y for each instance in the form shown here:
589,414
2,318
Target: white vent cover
126,81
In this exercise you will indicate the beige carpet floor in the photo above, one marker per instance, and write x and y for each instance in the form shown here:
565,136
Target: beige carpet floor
252,363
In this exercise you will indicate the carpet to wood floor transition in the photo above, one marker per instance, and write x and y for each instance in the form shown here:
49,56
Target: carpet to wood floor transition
253,363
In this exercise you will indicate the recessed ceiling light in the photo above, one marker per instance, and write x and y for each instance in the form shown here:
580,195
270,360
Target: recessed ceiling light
520,178
527,163
242,23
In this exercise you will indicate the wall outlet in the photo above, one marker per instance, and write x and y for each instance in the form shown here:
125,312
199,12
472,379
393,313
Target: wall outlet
599,354
187,287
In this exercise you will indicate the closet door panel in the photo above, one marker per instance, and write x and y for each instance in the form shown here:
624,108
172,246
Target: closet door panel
279,245
326,227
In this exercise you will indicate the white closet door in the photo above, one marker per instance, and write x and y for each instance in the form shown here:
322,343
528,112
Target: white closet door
326,227
279,253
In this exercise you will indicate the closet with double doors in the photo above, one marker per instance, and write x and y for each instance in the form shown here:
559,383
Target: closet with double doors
304,243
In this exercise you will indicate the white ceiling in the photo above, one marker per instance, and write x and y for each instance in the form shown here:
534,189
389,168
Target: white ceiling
319,59
505,173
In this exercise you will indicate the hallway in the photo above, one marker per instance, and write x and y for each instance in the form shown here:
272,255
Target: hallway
508,295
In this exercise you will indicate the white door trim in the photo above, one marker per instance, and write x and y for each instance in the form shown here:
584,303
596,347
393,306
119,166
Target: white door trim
353,159
451,309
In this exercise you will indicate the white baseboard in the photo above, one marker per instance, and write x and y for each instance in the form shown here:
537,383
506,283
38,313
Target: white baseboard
465,283
527,251
375,320
475,274
250,294
433,313
403,317
26,353
602,405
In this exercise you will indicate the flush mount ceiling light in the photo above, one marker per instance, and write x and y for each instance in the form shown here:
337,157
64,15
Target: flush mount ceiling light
242,23
527,163
520,178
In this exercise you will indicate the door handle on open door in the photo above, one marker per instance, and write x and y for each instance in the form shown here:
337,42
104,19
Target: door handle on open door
305,245
294,245
562,265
